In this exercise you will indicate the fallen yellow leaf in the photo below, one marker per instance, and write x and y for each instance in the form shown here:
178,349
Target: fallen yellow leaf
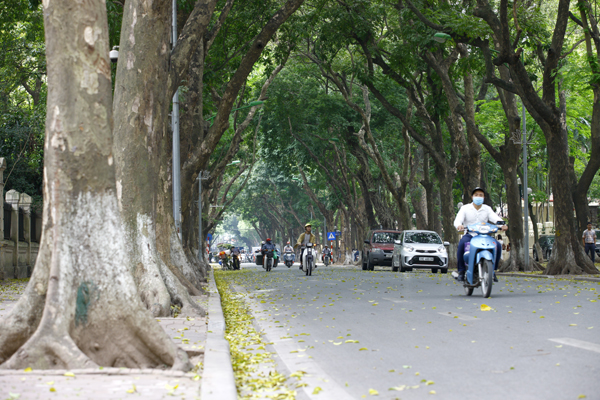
28,369
373,392
68,373
52,390
485,307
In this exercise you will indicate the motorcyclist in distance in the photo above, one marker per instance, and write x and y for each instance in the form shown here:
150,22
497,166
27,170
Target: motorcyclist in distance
473,213
303,240
289,249
266,247
326,252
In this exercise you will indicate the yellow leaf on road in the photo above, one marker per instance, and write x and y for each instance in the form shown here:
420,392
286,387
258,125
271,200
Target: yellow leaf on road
317,390
485,307
68,373
52,389
337,343
132,390
373,392
28,369
362,348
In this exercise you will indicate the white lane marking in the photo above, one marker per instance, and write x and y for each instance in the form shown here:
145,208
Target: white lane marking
460,316
578,343
315,376
395,300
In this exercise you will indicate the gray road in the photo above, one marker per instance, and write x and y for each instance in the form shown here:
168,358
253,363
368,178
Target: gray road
418,336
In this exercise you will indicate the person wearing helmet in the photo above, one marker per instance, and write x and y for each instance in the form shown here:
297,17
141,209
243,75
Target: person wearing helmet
326,252
267,247
473,213
289,249
304,239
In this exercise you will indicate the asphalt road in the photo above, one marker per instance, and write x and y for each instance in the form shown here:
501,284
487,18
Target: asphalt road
417,335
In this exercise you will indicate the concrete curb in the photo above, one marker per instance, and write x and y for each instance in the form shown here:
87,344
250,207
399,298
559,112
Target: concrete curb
569,278
218,382
97,371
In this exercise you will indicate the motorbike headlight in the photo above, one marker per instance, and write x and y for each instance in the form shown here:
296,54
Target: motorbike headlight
442,249
410,249
376,250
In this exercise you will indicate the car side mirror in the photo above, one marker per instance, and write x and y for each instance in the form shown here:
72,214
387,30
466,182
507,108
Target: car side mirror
446,243
367,242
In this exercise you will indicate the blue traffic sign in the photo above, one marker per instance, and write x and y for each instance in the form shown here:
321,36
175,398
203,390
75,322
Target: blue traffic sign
330,236
209,237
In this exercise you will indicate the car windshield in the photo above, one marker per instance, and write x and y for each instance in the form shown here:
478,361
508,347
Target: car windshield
422,237
385,237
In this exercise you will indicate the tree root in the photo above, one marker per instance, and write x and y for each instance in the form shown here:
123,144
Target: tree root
179,259
179,294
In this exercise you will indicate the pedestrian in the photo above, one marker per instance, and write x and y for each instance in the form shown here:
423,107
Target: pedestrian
502,245
589,241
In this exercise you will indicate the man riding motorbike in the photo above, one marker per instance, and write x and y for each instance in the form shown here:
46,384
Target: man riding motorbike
266,247
303,240
326,252
289,249
473,213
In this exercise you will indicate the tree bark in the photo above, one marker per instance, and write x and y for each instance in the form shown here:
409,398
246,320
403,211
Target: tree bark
82,294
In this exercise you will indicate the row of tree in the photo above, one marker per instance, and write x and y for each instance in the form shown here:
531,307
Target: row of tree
369,112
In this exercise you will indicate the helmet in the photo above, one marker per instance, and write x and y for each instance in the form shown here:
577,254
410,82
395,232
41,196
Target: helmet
476,189
288,242
309,224
268,239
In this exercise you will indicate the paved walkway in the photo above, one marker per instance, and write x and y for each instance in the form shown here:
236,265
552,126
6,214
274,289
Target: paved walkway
109,383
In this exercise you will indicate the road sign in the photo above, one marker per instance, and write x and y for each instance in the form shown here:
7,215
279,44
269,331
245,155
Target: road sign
209,237
338,234
330,236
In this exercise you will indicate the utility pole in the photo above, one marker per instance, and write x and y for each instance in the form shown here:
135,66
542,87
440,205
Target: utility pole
176,157
525,188
203,175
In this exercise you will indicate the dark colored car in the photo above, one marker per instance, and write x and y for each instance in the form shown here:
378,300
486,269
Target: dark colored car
378,248
597,243
546,242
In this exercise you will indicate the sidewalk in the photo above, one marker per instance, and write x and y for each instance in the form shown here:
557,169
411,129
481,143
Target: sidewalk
190,334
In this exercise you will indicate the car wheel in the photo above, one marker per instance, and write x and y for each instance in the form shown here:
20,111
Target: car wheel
535,256
434,270
444,270
370,266
364,264
402,267
394,269
548,255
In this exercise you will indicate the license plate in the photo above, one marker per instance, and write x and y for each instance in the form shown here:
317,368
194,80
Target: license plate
426,258
388,255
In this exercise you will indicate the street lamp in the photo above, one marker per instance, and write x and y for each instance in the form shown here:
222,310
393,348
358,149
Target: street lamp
441,37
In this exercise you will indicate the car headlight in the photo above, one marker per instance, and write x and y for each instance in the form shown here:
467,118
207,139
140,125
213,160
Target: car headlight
442,249
376,250
410,249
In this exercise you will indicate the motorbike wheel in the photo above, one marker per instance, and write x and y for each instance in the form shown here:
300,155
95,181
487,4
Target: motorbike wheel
487,279
309,268
468,290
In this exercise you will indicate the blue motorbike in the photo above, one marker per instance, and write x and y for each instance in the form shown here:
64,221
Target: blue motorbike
480,254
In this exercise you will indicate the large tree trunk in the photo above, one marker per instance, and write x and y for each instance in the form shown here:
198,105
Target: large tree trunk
82,294
142,103
568,256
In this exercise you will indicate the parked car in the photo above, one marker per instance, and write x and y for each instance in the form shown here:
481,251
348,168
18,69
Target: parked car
546,242
378,248
597,243
420,249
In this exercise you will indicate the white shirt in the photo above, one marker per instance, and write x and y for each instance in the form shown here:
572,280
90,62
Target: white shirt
468,215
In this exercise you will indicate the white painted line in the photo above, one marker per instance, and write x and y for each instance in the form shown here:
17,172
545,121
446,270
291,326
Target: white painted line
578,343
395,300
315,376
460,316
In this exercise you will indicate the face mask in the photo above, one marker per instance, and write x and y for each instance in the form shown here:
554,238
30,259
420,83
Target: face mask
478,201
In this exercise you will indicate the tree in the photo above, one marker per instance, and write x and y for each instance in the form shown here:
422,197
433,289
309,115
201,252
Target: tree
78,303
